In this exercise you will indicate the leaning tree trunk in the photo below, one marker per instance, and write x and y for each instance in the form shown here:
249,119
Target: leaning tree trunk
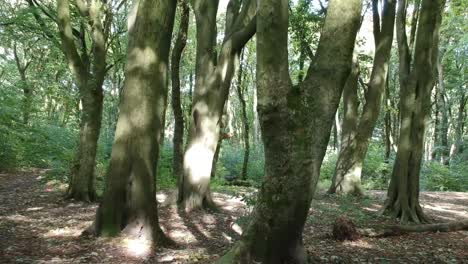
415,103
178,140
129,202
89,77
347,177
296,123
213,79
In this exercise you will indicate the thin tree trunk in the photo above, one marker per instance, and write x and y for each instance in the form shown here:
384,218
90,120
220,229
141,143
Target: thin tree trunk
178,140
458,146
241,89
296,123
347,177
415,103
129,202
444,124
388,122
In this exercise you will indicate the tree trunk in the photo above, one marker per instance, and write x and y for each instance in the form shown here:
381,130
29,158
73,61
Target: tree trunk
296,123
388,122
241,89
25,86
81,186
435,138
178,140
458,147
415,103
129,202
444,124
347,177
213,79
89,76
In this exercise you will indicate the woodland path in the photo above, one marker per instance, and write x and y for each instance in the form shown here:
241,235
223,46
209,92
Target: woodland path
38,226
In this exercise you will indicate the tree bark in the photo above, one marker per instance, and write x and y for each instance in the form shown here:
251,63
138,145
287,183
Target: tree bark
241,90
129,203
296,123
347,177
178,140
458,146
213,79
443,146
415,103
24,84
89,76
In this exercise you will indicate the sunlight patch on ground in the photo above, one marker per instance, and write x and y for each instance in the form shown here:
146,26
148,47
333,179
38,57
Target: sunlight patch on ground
237,228
17,218
137,247
445,210
181,234
34,209
227,237
359,244
63,232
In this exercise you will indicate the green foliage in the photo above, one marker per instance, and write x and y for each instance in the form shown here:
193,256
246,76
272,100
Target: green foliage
438,177
376,172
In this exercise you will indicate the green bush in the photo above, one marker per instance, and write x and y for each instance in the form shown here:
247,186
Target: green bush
438,177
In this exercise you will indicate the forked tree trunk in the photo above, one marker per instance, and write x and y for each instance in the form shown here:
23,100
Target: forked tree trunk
296,123
129,201
178,140
347,177
89,76
415,103
213,79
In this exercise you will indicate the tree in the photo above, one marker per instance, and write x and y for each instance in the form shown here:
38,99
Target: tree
241,90
358,130
296,123
178,140
416,82
213,80
129,201
89,73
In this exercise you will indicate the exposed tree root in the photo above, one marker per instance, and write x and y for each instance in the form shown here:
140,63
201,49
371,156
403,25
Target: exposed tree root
396,230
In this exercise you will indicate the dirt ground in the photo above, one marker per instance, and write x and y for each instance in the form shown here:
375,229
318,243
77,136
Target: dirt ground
38,226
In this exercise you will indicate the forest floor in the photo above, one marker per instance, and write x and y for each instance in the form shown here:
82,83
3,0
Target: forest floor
38,226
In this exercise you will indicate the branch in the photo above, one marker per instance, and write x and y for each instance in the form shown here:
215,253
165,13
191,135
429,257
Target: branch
376,20
68,43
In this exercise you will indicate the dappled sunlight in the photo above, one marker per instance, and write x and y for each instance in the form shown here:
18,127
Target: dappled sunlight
137,247
198,159
31,209
63,232
361,243
444,209
236,228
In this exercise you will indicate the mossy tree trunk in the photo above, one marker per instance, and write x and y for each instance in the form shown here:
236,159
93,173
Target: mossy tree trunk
213,79
89,73
178,140
296,122
129,201
347,177
417,79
